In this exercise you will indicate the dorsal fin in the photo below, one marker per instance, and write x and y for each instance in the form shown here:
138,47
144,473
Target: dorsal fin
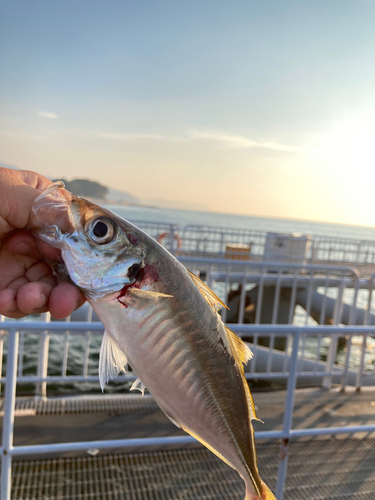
112,360
242,351
207,293
242,354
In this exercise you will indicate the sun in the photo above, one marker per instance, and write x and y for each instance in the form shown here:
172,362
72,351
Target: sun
350,144
342,162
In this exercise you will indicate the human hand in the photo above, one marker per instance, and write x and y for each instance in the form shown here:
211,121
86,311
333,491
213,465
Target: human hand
27,284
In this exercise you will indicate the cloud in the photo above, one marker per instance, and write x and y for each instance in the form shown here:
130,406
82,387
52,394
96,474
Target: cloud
138,137
228,140
46,114
130,137
240,142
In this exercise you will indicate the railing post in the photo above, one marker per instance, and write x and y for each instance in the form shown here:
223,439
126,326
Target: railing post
41,388
288,418
327,381
362,363
8,423
222,245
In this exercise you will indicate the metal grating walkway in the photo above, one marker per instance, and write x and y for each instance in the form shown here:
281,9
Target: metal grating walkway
318,469
134,402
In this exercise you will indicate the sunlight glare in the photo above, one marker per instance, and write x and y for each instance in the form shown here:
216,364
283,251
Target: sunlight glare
350,145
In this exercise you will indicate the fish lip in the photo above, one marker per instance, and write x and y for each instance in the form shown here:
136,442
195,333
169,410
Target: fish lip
50,235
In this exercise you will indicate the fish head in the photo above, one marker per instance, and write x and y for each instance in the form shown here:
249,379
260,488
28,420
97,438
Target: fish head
95,249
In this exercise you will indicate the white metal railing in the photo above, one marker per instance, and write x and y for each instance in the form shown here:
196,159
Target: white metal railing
216,241
269,362
294,294
338,294
292,369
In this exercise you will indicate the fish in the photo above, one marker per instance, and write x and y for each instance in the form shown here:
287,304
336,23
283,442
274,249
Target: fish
159,318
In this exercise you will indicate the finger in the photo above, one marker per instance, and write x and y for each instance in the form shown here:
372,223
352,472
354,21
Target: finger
49,252
41,272
34,297
18,283
65,298
18,190
9,307
8,303
23,243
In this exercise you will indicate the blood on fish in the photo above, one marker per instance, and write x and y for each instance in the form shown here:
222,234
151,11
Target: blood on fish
133,239
145,276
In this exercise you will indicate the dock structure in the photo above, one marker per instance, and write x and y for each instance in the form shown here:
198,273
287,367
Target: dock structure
304,304
124,447
329,466
262,246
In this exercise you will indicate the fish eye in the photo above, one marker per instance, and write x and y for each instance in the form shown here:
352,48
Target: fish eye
101,231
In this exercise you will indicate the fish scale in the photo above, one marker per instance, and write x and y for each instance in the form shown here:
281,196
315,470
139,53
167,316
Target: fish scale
162,320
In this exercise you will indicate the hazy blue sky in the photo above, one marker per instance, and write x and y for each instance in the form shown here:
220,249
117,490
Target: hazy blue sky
260,108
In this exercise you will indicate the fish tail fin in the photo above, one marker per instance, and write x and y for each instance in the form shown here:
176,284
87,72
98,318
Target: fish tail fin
266,493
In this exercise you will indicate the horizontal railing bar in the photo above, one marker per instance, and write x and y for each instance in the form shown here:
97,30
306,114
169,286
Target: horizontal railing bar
131,378
319,431
287,280
176,440
69,378
305,330
255,375
100,445
264,263
242,231
52,326
96,326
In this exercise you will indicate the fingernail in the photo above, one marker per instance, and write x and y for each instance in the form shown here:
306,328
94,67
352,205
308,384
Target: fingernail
22,248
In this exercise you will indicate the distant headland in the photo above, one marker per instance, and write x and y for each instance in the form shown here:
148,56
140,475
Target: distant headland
96,191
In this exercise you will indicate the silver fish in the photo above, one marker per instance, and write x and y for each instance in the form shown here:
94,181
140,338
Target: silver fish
162,320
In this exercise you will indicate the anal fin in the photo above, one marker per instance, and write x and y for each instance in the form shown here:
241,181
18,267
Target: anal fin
139,386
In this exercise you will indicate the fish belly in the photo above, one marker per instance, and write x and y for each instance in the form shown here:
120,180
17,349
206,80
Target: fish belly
187,367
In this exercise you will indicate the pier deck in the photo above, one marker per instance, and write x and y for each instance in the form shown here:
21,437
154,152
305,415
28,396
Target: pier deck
320,468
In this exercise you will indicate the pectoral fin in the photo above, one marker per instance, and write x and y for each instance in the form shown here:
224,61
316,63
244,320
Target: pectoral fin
147,294
112,360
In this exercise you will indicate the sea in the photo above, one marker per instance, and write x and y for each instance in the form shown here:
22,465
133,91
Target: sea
78,344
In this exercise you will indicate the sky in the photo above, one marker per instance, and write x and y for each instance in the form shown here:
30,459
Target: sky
258,108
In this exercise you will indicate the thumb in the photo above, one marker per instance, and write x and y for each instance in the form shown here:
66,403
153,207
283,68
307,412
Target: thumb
18,190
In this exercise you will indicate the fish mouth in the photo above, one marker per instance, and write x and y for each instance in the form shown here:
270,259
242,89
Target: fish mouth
137,274
134,272
51,215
